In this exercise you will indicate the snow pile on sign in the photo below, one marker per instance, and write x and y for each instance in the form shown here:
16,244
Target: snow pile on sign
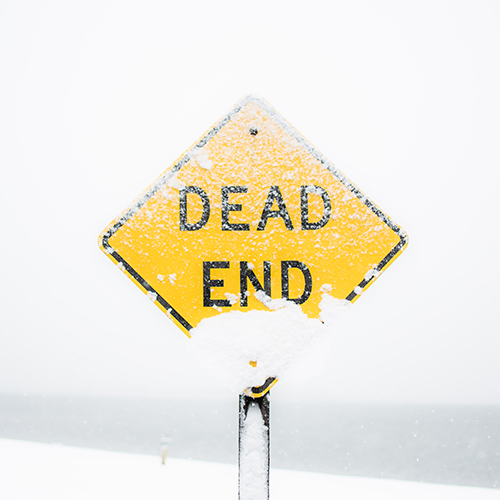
245,348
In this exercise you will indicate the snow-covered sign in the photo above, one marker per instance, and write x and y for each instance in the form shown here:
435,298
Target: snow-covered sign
251,207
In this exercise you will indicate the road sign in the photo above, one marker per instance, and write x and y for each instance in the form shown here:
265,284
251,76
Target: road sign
252,206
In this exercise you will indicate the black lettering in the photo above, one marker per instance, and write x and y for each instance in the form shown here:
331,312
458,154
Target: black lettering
208,283
304,207
285,288
192,226
247,274
227,207
275,195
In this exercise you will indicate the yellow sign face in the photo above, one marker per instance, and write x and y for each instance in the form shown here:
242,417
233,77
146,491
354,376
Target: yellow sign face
251,207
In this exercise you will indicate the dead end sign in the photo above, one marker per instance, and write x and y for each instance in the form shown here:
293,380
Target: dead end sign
252,206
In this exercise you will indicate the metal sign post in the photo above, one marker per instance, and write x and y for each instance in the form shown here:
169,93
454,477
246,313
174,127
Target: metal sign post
253,448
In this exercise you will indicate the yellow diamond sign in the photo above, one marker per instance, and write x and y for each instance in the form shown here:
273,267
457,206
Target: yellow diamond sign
252,206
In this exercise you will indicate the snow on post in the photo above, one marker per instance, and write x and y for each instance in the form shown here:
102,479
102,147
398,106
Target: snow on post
253,459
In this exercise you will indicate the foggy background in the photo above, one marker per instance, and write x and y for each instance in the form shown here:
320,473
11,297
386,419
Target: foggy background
98,98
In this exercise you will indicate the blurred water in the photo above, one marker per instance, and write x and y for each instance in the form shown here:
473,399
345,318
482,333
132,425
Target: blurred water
442,444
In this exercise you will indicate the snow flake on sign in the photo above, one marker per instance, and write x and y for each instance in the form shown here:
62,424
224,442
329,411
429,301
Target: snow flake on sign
273,304
232,297
152,296
276,339
372,273
172,277
202,160
314,190
175,183
167,193
160,277
121,267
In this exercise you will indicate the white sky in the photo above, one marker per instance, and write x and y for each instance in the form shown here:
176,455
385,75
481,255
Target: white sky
97,98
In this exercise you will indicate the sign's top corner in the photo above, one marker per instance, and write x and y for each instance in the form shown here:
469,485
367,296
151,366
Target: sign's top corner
257,98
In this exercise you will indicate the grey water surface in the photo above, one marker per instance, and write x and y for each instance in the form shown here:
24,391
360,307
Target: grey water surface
439,444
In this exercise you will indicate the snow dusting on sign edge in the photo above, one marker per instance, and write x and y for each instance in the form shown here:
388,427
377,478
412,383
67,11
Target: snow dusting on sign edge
194,150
